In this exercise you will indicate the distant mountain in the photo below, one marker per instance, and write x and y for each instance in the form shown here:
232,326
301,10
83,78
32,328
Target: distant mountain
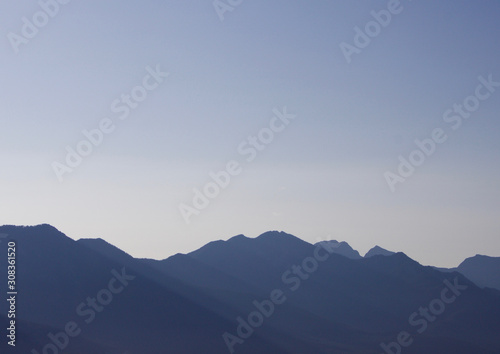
272,294
378,251
61,281
341,248
482,270
373,297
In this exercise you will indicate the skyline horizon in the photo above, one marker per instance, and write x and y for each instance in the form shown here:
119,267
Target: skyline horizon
362,253
166,125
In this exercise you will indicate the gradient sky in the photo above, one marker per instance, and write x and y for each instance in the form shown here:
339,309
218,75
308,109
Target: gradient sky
321,178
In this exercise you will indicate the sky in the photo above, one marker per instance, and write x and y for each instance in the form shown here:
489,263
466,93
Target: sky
187,122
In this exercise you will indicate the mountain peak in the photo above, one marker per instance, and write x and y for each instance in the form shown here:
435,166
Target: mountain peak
237,238
38,228
35,233
342,248
278,240
378,251
274,234
485,270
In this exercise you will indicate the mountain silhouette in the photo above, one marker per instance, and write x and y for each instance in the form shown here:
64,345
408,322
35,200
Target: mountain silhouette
378,251
484,271
271,294
341,248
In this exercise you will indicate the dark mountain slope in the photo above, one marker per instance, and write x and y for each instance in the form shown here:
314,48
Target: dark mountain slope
372,298
483,270
289,295
57,276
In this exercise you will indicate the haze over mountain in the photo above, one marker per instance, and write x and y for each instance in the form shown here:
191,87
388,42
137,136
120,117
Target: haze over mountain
342,248
483,270
378,251
272,294
114,112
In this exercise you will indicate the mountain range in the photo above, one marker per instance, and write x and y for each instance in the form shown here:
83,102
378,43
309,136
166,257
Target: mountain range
271,294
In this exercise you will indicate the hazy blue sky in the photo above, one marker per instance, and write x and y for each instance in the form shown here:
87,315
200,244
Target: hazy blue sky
320,177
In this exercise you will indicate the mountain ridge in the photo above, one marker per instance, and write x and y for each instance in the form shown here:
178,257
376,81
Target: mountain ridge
328,303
